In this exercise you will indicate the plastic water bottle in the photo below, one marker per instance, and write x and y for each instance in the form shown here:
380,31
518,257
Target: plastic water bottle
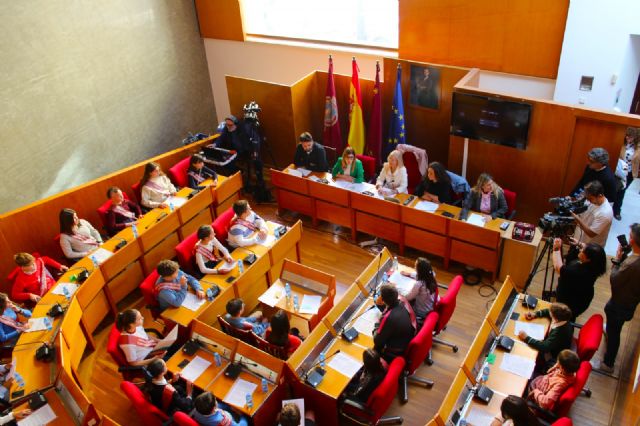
395,263
385,278
296,304
19,379
287,291
485,374
94,261
265,386
209,294
249,399
241,266
322,358
134,230
217,359
47,322
171,207
65,292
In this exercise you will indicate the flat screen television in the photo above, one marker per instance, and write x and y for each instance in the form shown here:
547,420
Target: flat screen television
490,119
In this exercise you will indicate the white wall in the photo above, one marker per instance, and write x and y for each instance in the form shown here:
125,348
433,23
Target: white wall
517,85
596,42
629,74
277,63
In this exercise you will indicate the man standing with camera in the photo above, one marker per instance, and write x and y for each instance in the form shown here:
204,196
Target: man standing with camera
625,295
594,224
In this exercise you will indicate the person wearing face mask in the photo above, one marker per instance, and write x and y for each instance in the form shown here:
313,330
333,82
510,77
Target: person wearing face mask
33,280
486,198
310,155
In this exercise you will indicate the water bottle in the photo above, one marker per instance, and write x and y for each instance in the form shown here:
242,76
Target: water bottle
65,292
296,305
287,291
385,278
209,295
240,266
47,323
94,261
217,359
265,386
19,379
322,358
134,229
395,263
249,399
485,374
171,208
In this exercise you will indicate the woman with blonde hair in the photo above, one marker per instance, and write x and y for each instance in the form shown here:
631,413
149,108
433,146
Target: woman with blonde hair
348,167
485,197
393,177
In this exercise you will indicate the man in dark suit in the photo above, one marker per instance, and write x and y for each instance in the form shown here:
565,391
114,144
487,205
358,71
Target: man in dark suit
395,330
310,155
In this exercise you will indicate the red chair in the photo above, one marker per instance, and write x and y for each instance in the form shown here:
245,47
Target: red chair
565,421
183,419
445,308
588,341
103,209
221,225
246,336
178,173
147,288
136,189
129,372
369,166
149,414
415,355
379,401
186,258
510,197
280,352
413,171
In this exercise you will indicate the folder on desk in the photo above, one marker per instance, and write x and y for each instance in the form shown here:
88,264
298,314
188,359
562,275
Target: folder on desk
165,343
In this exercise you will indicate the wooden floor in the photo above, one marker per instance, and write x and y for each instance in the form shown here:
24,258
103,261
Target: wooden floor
328,248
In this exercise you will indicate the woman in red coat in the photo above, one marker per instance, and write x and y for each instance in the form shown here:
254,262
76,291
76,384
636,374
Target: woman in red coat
32,280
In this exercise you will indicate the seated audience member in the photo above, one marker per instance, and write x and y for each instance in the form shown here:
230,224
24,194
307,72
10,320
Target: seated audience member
393,177
310,155
394,331
436,186
122,213
576,279
208,413
348,167
168,395
290,416
10,327
367,378
558,338
545,390
34,279
209,251
171,286
278,333
594,224
486,198
246,227
598,169
424,293
155,187
255,321
134,340
198,172
77,237
515,412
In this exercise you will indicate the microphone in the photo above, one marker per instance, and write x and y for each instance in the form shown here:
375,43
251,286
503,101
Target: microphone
375,288
351,333
314,375
161,216
233,370
121,244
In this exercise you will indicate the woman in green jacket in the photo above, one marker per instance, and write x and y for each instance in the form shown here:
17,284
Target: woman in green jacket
348,167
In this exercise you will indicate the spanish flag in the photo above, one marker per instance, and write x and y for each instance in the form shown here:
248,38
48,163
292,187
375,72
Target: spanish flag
356,124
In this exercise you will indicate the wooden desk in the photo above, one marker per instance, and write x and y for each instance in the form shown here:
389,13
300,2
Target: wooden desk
36,374
63,417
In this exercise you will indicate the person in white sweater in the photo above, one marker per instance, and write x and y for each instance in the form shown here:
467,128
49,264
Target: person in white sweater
393,176
246,227
209,251
78,237
155,187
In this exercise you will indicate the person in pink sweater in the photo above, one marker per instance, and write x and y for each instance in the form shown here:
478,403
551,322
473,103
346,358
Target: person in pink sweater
545,390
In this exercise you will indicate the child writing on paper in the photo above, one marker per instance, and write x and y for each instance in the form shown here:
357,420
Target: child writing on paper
209,413
168,395
171,287
545,390
209,251
255,321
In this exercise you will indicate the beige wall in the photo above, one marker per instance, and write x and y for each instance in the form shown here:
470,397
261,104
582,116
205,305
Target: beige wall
87,88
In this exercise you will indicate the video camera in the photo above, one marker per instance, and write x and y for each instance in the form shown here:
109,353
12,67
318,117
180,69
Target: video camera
251,111
564,206
560,223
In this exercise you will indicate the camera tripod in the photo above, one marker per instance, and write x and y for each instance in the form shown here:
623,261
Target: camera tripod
545,253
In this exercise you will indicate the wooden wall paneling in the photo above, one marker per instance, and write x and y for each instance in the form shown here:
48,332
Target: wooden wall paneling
221,19
217,307
227,191
159,231
304,104
521,36
203,218
164,250
125,282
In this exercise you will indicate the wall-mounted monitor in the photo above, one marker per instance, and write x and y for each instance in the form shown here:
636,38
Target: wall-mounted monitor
490,119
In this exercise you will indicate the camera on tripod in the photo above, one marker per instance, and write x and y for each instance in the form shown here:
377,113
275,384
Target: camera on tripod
564,206
251,111
560,223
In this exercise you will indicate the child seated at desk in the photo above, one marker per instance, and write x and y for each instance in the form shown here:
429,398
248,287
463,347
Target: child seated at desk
155,187
209,251
255,321
368,378
10,327
515,412
246,227
545,390
198,172
278,333
122,213
134,340
78,238
424,293
208,413
559,337
13,416
167,395
290,416
171,287
33,280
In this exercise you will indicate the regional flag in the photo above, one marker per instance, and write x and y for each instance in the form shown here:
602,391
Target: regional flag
331,136
396,126
356,125
374,133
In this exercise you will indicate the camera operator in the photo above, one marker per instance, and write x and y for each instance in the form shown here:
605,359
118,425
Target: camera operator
598,170
232,138
594,224
625,296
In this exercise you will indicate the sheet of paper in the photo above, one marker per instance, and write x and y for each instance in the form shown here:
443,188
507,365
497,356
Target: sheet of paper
534,330
38,324
427,206
294,172
192,302
476,219
315,178
268,242
224,267
237,395
477,417
168,340
304,172
101,254
59,289
299,402
272,296
310,304
402,283
366,323
517,364
194,369
343,184
345,364
176,201
41,416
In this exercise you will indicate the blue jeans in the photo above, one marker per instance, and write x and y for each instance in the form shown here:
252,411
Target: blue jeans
616,317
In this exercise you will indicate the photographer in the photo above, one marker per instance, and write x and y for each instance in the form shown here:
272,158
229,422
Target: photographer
594,224
576,279
625,296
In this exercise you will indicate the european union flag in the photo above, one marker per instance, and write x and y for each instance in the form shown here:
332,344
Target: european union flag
396,126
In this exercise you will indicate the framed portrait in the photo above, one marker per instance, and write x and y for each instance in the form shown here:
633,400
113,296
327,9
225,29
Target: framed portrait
425,87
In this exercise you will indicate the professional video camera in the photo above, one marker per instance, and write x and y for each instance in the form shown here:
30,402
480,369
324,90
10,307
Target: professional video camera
564,206
251,111
560,223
